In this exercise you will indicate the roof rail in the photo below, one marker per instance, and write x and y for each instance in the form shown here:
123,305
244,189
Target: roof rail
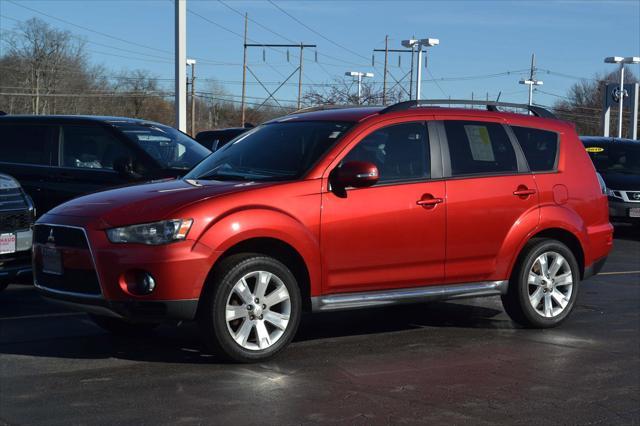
323,107
490,105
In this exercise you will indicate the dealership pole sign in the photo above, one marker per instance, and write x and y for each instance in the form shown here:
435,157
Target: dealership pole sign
612,94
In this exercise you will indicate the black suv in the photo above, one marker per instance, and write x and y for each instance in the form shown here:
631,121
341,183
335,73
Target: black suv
618,161
57,158
16,220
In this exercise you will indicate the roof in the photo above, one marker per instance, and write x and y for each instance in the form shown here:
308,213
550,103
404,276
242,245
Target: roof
71,118
607,140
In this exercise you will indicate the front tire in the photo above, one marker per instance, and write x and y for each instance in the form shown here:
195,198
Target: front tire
544,285
251,309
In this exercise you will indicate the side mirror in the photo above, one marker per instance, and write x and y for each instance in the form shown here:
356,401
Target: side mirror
356,174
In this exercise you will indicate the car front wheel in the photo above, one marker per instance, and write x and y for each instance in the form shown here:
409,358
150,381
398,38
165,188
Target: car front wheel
544,286
251,310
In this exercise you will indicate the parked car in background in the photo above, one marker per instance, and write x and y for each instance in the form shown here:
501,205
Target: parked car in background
216,139
618,162
57,158
339,209
16,220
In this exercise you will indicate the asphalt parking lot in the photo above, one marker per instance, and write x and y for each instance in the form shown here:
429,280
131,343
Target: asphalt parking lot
454,363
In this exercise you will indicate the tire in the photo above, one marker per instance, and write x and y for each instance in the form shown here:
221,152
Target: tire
555,296
120,327
235,323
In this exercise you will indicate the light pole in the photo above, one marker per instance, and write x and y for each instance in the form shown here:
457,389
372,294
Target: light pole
359,75
181,64
531,83
621,60
428,42
192,64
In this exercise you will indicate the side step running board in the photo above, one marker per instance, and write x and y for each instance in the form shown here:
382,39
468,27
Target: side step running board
369,299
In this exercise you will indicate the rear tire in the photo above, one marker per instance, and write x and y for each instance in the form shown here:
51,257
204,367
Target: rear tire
251,309
544,285
120,327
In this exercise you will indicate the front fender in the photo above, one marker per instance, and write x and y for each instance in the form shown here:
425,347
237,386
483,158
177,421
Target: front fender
243,225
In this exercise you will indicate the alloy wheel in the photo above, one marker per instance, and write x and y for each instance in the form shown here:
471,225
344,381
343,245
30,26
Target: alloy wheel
550,284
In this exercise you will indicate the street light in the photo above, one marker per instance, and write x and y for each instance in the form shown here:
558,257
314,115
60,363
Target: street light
411,43
359,75
621,60
531,83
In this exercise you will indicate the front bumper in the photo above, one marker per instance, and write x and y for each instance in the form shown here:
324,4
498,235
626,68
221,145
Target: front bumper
131,310
619,210
15,267
95,271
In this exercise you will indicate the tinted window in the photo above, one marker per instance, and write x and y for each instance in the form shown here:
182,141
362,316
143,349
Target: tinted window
168,146
27,144
401,152
479,148
91,147
274,151
539,146
611,158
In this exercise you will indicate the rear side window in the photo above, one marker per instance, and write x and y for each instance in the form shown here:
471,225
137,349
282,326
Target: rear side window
401,152
540,147
25,144
478,147
91,147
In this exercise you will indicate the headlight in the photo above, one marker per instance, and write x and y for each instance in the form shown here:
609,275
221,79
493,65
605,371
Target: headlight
156,233
7,182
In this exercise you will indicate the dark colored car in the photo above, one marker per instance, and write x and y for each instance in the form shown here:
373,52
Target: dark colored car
216,139
16,220
57,158
338,209
618,162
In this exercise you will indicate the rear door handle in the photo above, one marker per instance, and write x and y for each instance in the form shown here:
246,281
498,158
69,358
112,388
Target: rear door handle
429,202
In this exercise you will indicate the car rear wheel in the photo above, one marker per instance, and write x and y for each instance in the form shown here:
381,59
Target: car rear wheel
122,327
251,309
544,285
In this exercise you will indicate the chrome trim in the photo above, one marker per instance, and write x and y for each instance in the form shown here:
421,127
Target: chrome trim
93,259
368,299
625,195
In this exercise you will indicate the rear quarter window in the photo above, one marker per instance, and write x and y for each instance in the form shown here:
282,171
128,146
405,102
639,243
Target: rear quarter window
540,147
25,143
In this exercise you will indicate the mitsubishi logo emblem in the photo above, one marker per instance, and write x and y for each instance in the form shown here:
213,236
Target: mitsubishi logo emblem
50,238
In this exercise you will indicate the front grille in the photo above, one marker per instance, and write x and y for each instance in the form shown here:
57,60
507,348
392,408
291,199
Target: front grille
71,242
633,195
19,258
11,221
60,236
12,199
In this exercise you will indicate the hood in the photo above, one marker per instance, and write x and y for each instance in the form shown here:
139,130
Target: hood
621,181
147,202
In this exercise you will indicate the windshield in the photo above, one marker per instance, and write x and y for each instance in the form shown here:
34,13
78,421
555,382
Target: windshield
275,151
610,158
169,147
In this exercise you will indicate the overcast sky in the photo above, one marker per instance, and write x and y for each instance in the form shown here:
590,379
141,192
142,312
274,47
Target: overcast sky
478,39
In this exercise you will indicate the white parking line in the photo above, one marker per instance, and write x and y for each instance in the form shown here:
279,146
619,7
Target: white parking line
619,273
61,314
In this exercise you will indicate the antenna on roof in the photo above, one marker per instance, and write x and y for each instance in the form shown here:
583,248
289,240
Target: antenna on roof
498,98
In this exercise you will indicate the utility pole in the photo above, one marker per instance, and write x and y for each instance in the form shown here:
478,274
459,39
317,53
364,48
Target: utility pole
244,71
532,79
359,76
300,76
192,63
181,64
384,80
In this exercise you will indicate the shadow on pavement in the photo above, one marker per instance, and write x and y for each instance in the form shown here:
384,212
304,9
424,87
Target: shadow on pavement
625,231
33,327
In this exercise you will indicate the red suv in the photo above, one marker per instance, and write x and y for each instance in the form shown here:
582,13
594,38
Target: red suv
338,209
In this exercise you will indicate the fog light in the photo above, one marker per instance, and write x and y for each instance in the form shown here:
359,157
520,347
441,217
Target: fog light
139,283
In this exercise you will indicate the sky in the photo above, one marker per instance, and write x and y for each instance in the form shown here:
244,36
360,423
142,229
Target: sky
485,46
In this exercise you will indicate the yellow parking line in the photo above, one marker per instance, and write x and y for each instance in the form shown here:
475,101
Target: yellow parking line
619,273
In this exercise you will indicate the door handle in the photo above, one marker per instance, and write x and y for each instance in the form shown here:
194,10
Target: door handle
523,191
429,202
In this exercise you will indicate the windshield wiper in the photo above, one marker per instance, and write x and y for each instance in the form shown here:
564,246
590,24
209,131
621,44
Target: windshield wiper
224,176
